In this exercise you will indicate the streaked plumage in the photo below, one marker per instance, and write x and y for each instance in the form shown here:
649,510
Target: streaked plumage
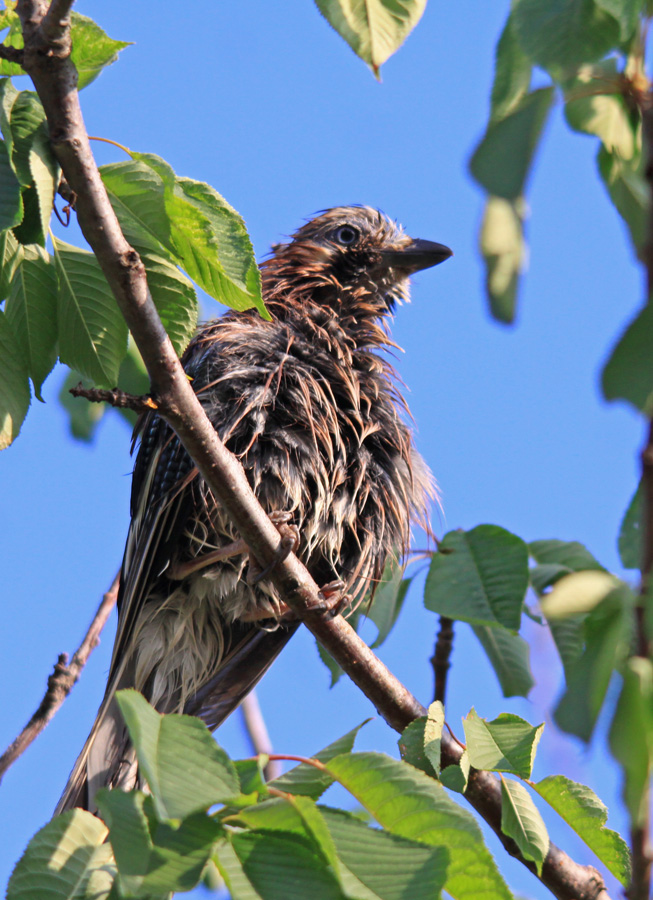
309,404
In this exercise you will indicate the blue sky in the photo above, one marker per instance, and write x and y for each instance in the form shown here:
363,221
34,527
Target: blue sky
267,104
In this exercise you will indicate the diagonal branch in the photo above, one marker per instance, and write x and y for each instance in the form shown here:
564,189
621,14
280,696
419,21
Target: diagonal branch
62,681
54,78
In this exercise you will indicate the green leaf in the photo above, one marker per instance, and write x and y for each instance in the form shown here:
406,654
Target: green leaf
631,736
504,250
11,204
46,174
231,870
628,374
506,744
512,73
155,857
66,860
626,12
479,576
509,655
607,632
603,114
14,385
137,195
284,867
411,746
389,867
630,533
312,782
174,297
8,95
568,637
184,767
576,594
14,38
579,806
92,331
11,253
83,416
573,555
628,190
32,312
521,821
503,158
388,600
433,734
455,777
407,802
374,29
564,33
92,49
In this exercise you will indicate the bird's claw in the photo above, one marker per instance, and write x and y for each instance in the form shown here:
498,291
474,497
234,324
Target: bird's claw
332,599
289,542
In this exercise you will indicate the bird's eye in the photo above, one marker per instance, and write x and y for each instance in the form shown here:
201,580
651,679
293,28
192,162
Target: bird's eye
346,235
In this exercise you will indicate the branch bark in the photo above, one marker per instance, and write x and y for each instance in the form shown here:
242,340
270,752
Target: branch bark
55,80
62,681
441,659
257,733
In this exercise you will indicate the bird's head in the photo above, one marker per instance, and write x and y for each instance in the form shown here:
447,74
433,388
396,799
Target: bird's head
349,256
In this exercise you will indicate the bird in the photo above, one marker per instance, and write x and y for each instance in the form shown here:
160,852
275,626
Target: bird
311,406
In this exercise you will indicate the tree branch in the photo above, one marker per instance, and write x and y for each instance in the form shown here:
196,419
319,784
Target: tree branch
55,79
11,54
119,399
441,657
257,733
62,681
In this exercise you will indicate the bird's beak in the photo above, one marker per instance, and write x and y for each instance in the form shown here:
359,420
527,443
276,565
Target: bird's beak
416,255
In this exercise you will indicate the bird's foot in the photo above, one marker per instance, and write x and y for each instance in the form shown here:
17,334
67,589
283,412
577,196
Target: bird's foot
289,542
332,599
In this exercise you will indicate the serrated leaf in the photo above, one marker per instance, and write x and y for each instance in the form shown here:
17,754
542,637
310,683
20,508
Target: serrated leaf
407,802
92,50
433,734
11,253
521,821
374,29
153,857
512,73
185,769
11,204
607,632
66,860
92,331
32,312
506,744
577,594
45,173
579,806
15,394
479,576
8,95
174,297
505,253
231,870
631,736
389,867
503,158
411,746
455,777
509,655
284,867
311,782
628,374
564,33
630,533
626,184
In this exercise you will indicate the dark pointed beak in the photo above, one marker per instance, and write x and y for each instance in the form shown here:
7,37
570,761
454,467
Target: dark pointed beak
417,255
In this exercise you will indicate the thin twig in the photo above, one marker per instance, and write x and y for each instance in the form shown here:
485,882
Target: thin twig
11,54
119,399
62,680
257,733
441,659
55,81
